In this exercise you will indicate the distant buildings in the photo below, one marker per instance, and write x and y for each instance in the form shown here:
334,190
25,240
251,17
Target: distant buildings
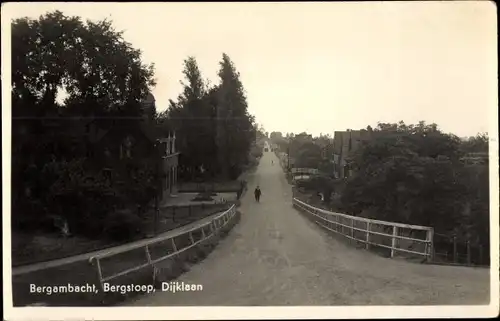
344,144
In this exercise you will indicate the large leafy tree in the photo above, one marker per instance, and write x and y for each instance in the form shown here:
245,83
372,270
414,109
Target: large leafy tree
90,61
413,174
99,73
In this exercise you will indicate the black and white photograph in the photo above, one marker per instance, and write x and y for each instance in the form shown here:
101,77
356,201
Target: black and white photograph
232,160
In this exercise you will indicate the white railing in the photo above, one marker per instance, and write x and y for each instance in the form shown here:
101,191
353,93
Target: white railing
364,230
305,170
207,230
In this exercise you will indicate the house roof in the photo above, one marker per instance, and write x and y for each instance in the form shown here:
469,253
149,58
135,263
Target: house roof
337,141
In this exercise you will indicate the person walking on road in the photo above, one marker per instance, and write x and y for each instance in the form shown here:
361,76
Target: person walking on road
257,193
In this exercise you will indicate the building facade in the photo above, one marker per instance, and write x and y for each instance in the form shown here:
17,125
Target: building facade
345,143
122,146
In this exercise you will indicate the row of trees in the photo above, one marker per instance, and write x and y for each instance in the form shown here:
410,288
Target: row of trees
103,77
417,174
213,122
305,150
413,174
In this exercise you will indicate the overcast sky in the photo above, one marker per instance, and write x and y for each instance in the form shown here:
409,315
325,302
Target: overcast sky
321,67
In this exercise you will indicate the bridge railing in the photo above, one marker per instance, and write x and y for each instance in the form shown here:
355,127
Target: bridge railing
398,238
167,248
310,171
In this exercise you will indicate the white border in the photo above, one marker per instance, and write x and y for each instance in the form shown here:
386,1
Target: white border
182,313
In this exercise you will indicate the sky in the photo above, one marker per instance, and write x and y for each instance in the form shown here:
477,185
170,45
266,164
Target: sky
322,67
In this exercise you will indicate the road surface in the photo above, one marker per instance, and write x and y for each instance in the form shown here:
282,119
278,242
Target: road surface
275,256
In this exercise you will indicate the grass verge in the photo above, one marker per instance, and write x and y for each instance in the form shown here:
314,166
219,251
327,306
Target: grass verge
42,247
82,273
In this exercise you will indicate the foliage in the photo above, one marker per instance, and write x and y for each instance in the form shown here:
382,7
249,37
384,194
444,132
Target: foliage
215,129
90,61
101,75
413,174
192,116
121,225
476,144
308,155
319,183
236,123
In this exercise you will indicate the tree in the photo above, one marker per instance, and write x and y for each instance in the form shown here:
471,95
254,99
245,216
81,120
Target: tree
193,116
101,74
90,61
235,128
413,174
308,155
476,144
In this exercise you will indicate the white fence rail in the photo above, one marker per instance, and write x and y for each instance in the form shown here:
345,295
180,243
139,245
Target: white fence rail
207,230
374,232
310,171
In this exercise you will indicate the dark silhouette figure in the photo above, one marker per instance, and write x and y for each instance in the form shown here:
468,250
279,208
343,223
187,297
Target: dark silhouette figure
257,193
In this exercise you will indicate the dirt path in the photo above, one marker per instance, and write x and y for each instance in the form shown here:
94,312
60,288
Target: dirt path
275,256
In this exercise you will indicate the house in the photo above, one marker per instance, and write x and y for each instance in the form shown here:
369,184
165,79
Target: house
345,143
120,146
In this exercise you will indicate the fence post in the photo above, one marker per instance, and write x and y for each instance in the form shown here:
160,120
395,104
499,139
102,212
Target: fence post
468,252
148,257
97,264
429,246
367,244
455,249
353,240
174,247
394,243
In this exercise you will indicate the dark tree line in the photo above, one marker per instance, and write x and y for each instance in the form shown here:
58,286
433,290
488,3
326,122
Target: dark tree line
54,173
213,120
414,174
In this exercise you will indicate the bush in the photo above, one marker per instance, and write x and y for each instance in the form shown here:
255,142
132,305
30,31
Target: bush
122,225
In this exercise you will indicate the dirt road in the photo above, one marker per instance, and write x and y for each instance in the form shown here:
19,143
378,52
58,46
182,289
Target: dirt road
275,256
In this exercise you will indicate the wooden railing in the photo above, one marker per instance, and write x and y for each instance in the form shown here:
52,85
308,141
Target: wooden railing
311,171
374,232
206,231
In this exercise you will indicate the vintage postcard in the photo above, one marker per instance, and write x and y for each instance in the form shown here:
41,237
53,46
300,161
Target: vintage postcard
236,160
